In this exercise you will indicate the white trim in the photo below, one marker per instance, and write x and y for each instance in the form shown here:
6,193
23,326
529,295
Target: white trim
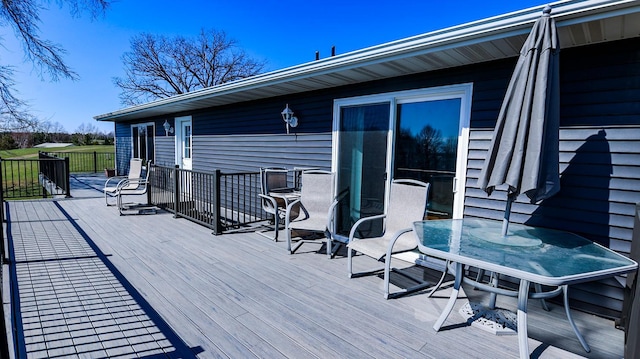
177,125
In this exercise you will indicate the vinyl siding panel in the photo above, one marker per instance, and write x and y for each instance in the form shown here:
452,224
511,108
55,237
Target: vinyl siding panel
165,150
250,152
123,154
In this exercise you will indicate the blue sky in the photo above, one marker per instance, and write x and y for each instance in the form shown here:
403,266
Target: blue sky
284,33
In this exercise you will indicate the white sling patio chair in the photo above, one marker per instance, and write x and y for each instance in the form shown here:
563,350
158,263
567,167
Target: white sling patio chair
407,204
114,185
315,208
127,189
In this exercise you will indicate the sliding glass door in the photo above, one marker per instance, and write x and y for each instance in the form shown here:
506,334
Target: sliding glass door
362,163
421,134
426,149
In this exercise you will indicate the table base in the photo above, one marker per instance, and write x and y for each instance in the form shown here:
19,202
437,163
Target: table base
497,321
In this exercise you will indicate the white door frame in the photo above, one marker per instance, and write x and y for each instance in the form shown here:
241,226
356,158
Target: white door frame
179,145
462,91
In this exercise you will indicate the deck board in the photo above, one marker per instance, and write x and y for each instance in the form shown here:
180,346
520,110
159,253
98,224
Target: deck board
236,295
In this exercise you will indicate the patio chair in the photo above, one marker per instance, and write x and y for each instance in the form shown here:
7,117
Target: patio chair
115,184
316,206
272,178
133,187
407,204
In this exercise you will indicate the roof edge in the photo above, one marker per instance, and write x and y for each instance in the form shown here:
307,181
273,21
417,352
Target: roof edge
566,12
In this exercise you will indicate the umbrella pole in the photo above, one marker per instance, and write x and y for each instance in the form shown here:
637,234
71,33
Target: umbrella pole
507,214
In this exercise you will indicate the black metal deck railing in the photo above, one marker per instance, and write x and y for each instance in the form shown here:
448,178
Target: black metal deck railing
84,162
30,178
220,201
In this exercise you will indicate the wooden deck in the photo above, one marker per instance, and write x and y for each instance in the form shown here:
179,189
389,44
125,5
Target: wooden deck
91,283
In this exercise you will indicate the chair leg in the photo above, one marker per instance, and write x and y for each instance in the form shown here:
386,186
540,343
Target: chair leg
276,225
387,260
349,262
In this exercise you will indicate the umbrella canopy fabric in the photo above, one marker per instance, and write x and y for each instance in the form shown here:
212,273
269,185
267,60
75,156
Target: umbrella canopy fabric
524,152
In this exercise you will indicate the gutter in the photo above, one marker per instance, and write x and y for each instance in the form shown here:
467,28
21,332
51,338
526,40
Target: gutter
566,13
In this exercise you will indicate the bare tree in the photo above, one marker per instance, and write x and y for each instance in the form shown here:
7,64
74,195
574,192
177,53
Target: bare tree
23,17
159,67
88,128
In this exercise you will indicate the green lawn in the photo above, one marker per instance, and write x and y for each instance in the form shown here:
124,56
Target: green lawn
33,152
20,167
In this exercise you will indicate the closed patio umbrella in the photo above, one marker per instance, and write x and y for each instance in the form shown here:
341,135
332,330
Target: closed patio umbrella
524,152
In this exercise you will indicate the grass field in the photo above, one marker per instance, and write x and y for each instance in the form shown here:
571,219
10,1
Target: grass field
20,167
33,152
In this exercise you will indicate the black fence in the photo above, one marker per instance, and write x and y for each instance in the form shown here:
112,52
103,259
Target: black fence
220,201
30,178
54,174
80,162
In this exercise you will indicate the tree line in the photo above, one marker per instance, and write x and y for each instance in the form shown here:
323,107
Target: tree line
84,135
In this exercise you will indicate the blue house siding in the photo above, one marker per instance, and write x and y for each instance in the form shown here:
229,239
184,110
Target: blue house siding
239,153
123,147
165,150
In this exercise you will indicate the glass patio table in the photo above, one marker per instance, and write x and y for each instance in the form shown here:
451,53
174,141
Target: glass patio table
531,254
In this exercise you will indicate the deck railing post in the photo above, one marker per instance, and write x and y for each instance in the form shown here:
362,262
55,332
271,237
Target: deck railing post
149,187
176,187
1,209
217,221
95,162
67,180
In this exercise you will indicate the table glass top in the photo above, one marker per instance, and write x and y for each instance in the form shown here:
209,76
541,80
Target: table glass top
539,251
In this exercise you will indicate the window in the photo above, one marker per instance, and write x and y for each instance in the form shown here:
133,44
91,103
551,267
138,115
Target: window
143,144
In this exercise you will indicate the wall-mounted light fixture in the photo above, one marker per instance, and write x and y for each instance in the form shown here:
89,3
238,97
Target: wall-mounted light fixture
289,118
167,128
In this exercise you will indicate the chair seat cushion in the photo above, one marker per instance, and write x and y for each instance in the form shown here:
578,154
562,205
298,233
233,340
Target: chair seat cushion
110,189
310,224
377,247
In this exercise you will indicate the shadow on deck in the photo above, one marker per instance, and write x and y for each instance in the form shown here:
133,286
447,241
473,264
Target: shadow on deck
69,300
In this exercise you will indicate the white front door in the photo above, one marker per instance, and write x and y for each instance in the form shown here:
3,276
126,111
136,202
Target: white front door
184,149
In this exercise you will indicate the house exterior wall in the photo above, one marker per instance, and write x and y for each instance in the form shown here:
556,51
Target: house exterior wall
123,148
600,143
165,150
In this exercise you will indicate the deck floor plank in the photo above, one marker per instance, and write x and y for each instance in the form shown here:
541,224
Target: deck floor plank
235,295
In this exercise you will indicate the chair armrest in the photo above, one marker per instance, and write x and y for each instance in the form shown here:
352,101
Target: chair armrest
118,178
359,222
287,215
392,242
270,199
331,223
125,182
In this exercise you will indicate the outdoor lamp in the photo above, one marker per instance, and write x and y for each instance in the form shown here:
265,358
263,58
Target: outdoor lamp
167,128
289,118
